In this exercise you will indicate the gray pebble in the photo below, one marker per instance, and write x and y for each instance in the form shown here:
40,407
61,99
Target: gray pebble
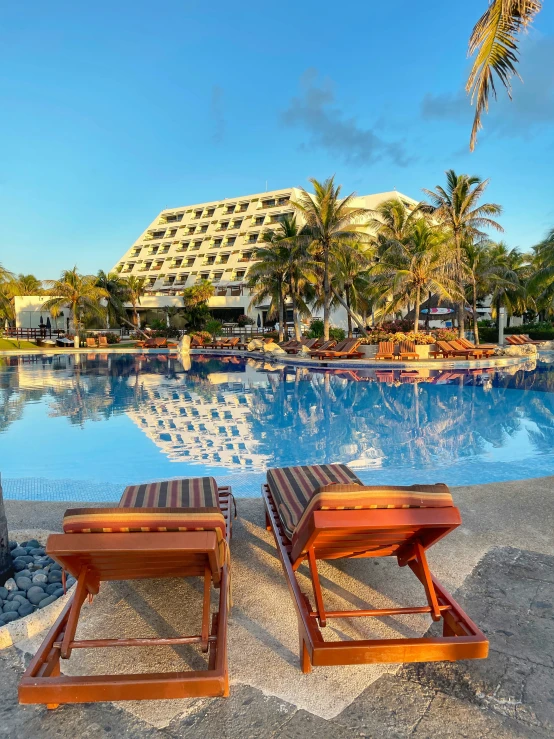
19,552
26,610
35,595
25,559
41,571
52,588
55,576
38,552
22,573
58,593
33,544
11,616
11,584
24,583
13,593
55,566
19,565
40,579
13,545
20,599
47,601
8,607
70,581
3,593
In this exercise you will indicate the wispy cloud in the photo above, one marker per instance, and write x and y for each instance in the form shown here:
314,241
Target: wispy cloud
218,115
532,106
329,128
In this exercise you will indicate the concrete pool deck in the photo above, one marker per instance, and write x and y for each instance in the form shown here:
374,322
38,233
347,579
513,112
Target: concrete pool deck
499,563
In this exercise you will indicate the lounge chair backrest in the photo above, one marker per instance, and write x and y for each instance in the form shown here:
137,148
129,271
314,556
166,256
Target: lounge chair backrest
407,347
466,343
233,342
385,347
350,345
197,341
515,340
327,345
102,341
310,343
456,345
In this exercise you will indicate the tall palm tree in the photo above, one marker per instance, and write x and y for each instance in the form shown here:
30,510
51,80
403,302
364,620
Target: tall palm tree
511,270
117,293
77,291
540,285
457,208
26,285
330,222
267,277
352,279
481,271
394,221
495,39
136,287
405,270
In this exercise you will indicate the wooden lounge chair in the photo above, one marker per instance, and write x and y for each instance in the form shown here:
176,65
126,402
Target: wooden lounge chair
459,350
515,340
444,350
102,341
531,341
385,350
325,512
408,350
326,345
410,376
196,342
486,349
308,343
343,350
156,342
174,528
91,343
384,376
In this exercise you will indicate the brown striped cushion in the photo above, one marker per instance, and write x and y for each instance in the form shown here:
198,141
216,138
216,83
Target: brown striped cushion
121,520
368,497
293,487
195,492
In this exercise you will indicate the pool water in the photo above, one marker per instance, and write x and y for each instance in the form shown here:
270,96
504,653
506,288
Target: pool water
81,427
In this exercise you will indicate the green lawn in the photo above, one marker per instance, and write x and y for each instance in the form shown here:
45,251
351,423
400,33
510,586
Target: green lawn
7,344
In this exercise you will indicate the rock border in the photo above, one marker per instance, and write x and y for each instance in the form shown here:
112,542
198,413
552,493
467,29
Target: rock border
31,625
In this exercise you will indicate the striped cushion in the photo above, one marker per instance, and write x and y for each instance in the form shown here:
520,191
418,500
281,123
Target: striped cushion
299,491
120,520
293,487
195,492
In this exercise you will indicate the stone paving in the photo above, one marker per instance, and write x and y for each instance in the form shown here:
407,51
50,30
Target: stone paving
508,590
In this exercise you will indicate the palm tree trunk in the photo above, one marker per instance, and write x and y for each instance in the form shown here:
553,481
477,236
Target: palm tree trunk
416,308
355,318
326,295
461,317
281,314
348,314
428,311
475,326
5,555
295,325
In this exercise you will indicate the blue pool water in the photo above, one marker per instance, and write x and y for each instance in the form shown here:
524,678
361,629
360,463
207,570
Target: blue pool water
81,427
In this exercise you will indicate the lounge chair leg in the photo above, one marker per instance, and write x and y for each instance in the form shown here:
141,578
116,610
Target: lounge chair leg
52,706
206,610
81,593
305,663
318,595
267,521
425,576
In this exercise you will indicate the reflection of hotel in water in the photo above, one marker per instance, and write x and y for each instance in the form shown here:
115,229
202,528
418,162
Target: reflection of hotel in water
208,425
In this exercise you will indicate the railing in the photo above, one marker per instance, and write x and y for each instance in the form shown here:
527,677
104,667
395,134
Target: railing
33,333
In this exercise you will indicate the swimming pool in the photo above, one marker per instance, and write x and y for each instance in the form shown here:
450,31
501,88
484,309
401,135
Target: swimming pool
81,427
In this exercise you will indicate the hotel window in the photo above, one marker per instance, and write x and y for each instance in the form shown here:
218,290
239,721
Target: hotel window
237,224
198,214
259,221
240,274
223,226
223,259
196,245
283,200
231,240
203,229
217,276
210,212
217,243
252,238
204,275
243,207
230,209
171,233
268,203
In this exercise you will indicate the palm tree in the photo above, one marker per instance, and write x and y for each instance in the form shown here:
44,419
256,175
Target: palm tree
117,293
511,270
267,277
480,270
394,221
457,208
495,39
331,221
26,285
136,287
541,284
406,270
351,277
77,291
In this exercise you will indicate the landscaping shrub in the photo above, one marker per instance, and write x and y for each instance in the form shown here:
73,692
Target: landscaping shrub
316,331
112,338
214,327
245,321
338,334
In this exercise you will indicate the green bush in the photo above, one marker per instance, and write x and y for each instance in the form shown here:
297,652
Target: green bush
316,331
488,335
214,327
541,330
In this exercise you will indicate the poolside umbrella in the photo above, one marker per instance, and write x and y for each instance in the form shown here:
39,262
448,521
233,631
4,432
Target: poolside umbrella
259,321
49,325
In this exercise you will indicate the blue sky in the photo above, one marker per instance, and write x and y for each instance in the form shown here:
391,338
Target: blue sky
114,110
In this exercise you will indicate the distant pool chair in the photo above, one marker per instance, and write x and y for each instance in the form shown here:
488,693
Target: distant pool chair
168,529
345,349
102,340
407,350
325,512
385,350
91,343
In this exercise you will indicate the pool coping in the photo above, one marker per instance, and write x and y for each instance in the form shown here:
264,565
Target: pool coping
295,360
